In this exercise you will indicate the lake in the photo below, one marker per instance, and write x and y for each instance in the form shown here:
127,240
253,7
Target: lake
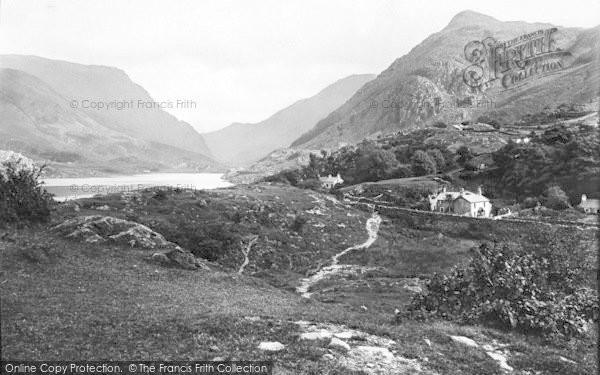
73,188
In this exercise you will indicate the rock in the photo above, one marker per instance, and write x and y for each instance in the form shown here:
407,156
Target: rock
465,341
161,258
346,335
271,346
185,259
110,228
214,348
96,228
141,236
372,352
364,308
86,235
316,335
501,359
428,342
563,359
102,208
339,345
218,359
328,356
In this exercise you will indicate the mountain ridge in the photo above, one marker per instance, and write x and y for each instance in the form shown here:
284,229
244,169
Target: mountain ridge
241,143
79,82
404,95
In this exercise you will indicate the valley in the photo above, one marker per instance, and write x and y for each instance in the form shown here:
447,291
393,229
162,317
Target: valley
440,217
260,244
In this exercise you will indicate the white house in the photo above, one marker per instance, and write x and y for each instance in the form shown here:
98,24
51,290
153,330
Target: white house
463,202
590,206
329,182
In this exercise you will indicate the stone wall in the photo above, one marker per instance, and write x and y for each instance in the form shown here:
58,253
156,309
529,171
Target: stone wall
487,228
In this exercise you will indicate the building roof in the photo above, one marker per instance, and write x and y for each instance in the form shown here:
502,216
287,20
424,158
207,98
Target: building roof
473,198
469,196
590,203
331,179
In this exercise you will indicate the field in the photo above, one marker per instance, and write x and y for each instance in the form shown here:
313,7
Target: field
75,300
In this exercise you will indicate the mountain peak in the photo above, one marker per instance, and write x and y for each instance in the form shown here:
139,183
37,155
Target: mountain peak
469,17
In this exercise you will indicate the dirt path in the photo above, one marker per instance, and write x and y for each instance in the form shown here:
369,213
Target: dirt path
246,252
372,227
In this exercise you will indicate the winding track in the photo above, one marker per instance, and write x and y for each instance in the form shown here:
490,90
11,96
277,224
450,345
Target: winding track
372,227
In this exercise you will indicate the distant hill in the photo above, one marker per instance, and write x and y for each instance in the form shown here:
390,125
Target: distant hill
37,119
245,143
433,81
38,122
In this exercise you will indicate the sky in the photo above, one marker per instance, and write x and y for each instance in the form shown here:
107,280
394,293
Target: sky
243,60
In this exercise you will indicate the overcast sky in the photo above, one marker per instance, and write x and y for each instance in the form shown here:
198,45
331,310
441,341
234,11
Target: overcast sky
243,60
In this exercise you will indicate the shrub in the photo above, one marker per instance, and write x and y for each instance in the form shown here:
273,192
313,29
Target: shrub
422,163
440,124
530,202
22,197
556,198
298,224
510,289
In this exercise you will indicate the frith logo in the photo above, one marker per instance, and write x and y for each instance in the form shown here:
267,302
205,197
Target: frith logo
513,61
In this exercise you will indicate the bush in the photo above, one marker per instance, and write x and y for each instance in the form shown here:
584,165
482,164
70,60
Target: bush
440,124
298,224
530,202
422,164
556,199
513,290
22,197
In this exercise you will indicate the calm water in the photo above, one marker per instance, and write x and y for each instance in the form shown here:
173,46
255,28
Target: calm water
73,188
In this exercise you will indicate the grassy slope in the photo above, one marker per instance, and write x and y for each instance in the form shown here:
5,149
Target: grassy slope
62,299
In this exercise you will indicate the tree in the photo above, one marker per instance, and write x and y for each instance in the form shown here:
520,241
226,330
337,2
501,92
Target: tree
374,164
556,198
464,154
422,163
437,156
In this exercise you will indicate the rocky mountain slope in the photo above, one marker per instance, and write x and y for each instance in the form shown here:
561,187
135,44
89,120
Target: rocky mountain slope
451,76
241,144
40,120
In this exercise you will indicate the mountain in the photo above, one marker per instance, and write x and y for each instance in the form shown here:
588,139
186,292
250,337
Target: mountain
39,120
452,76
243,143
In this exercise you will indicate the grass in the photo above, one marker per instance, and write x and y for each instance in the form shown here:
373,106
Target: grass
67,300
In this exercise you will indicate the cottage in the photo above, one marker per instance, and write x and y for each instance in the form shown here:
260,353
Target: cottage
465,203
329,182
590,206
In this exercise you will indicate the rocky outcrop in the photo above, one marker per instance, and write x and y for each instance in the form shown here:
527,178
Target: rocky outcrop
100,229
358,351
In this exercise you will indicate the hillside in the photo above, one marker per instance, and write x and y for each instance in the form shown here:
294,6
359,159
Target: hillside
258,243
241,144
39,121
428,84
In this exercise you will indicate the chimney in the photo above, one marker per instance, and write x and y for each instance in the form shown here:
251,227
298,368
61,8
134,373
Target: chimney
479,191
583,197
444,189
462,191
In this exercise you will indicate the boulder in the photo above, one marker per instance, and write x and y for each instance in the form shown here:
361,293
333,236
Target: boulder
316,335
465,341
339,345
271,346
96,229
185,259
372,352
